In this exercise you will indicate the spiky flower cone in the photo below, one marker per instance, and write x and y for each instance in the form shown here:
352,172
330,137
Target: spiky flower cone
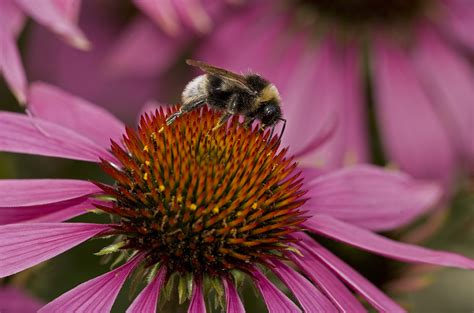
203,201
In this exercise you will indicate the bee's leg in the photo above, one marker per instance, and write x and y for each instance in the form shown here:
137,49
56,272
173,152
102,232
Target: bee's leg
224,118
271,132
184,109
248,122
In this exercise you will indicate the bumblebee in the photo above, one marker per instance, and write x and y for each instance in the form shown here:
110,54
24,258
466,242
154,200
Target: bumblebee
248,95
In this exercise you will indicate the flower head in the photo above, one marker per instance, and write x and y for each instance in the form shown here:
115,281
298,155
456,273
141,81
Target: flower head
203,207
203,201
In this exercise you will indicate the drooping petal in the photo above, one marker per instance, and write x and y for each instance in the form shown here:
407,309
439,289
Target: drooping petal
197,304
453,98
162,12
367,240
194,14
327,281
310,173
96,295
458,21
371,197
355,135
142,38
24,134
359,283
220,47
12,18
413,135
48,213
14,300
232,299
28,192
57,106
70,8
147,299
274,298
25,245
10,61
317,76
309,297
48,14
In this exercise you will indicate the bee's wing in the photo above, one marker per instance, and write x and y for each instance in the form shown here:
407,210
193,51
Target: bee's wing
237,79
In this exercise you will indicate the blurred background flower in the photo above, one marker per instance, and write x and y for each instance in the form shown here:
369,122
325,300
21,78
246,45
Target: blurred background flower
136,44
409,60
58,16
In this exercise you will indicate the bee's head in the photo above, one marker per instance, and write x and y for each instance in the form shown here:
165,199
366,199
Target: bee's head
269,112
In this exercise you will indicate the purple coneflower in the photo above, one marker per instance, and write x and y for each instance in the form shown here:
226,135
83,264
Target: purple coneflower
202,208
321,54
57,15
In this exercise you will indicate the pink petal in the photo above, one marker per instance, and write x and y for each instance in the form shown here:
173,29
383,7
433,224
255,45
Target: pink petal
354,106
70,8
275,299
194,14
234,304
27,192
47,13
322,136
48,59
309,297
197,304
10,61
371,197
412,133
142,38
47,213
23,134
367,240
311,173
55,105
458,21
96,295
25,245
147,299
161,12
453,98
317,76
221,46
359,283
13,300
12,18
331,285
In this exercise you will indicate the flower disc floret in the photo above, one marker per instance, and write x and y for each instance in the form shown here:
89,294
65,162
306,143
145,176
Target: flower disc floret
203,200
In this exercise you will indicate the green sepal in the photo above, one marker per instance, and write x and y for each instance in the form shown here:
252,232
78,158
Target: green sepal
115,247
